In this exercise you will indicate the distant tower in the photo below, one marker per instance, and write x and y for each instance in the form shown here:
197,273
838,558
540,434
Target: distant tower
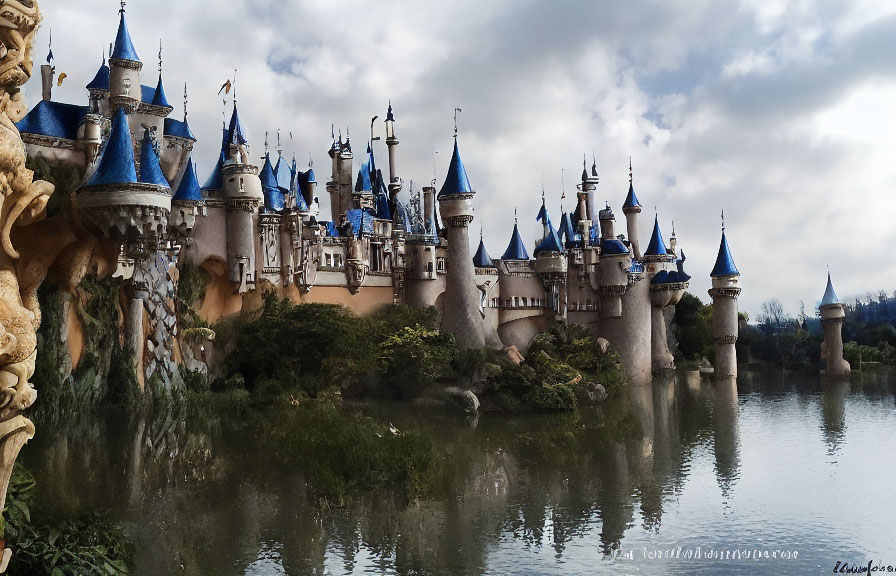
461,306
124,70
392,143
631,209
242,192
832,315
659,262
724,293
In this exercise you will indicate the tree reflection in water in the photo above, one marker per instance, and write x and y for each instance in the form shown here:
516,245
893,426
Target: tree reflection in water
210,494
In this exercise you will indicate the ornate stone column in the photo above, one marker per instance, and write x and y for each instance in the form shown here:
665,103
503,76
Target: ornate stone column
22,202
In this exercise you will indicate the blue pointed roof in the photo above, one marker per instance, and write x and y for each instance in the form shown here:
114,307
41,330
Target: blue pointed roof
612,246
150,169
332,231
178,129
273,196
516,250
359,218
631,201
661,277
53,119
283,174
235,132
117,163
542,213
267,177
188,190
456,182
724,262
389,116
363,184
830,297
101,80
567,232
383,211
481,259
124,48
657,246
551,242
682,275
215,180
159,98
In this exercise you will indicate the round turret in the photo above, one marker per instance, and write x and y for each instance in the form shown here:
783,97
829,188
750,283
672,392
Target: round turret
124,69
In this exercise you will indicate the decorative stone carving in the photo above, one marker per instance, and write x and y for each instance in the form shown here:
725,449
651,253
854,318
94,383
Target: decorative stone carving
22,202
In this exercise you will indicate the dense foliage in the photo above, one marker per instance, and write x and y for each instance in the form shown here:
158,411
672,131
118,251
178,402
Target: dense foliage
77,546
692,327
560,367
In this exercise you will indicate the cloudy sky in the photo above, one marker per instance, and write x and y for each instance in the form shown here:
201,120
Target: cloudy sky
781,113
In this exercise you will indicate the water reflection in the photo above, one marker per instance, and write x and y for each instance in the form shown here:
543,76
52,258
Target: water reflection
206,495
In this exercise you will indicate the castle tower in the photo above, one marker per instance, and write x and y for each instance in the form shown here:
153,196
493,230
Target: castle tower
658,260
392,143
124,69
632,208
461,308
724,293
186,203
582,216
615,262
242,193
832,315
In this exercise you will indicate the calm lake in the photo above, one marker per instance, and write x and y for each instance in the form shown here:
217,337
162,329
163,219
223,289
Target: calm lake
680,477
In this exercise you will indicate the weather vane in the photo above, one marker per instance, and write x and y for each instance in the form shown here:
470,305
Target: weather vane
185,102
160,55
631,175
723,220
123,3
456,110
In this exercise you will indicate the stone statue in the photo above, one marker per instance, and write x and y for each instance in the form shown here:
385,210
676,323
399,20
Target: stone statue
22,202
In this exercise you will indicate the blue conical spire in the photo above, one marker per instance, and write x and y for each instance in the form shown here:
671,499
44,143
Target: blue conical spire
631,201
830,297
724,262
159,99
389,116
516,250
273,197
101,80
124,48
235,133
215,181
551,242
117,164
456,182
481,259
267,177
542,213
682,275
150,170
188,190
657,246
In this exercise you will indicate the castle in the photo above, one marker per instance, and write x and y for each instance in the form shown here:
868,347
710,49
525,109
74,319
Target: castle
256,228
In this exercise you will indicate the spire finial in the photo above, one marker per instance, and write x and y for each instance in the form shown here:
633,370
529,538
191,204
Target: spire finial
185,102
515,219
480,232
673,228
279,147
631,174
456,110
723,220
160,55
265,143
234,87
562,184
50,58
123,3
104,56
